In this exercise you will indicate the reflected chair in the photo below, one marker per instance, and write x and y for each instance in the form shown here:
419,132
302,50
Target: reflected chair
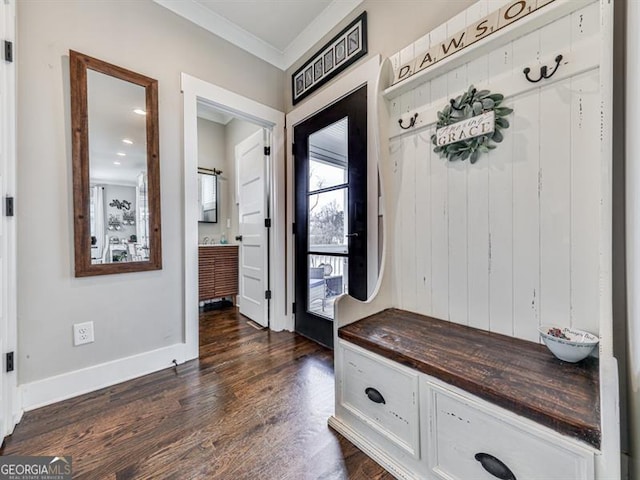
317,286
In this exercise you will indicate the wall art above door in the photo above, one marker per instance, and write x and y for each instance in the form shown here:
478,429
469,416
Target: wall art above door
339,53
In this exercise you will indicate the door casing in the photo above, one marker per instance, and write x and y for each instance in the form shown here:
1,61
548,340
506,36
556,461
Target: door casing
352,109
366,73
194,91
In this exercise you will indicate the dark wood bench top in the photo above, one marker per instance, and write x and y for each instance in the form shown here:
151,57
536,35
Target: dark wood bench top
521,376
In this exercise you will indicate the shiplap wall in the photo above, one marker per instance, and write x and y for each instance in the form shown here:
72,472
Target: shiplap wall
511,242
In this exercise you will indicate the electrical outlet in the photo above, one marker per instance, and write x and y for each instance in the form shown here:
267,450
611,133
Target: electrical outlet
82,333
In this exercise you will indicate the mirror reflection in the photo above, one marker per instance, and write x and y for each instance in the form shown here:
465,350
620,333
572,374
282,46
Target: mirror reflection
119,218
207,195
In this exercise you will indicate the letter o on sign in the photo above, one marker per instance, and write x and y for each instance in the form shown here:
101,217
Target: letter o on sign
508,14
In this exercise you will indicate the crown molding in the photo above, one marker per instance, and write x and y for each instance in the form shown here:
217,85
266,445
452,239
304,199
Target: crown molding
220,26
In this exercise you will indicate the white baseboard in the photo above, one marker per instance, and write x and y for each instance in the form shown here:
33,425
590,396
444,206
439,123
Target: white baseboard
67,385
376,454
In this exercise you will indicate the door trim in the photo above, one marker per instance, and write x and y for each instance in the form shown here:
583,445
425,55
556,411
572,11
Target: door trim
195,90
10,401
367,73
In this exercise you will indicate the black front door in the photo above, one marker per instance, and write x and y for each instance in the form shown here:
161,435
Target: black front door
331,213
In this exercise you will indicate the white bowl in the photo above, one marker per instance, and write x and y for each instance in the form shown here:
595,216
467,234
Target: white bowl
568,344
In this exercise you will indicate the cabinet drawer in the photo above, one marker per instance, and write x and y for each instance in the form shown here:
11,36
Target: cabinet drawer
464,434
382,395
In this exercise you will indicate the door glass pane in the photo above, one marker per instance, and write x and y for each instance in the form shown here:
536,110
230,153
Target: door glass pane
328,156
327,278
327,221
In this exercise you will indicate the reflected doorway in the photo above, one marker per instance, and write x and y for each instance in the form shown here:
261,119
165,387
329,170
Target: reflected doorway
331,213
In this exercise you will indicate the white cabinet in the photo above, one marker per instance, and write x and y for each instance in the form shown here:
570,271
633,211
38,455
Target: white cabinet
383,395
419,427
467,439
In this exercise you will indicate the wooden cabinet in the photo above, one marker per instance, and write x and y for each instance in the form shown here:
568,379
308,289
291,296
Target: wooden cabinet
218,271
428,399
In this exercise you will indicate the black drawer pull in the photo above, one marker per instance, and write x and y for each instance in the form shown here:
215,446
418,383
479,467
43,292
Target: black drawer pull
374,395
495,467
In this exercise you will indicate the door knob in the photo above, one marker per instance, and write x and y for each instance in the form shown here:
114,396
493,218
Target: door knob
239,238
351,235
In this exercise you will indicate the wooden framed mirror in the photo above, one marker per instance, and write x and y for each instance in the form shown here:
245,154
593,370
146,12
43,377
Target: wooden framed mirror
116,170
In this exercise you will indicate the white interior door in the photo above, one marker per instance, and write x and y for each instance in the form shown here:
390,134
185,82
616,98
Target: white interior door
252,170
8,336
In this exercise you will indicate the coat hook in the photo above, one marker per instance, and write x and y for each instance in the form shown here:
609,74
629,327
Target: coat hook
412,122
543,71
469,102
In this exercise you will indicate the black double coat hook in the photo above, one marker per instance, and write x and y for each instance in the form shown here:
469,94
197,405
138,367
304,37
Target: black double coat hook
543,71
412,122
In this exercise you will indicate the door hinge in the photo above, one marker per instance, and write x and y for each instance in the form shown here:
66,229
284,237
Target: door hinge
293,308
267,295
293,149
293,228
267,150
8,51
10,362
267,223
8,206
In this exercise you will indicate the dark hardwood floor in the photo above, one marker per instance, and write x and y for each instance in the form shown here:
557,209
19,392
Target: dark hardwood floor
255,405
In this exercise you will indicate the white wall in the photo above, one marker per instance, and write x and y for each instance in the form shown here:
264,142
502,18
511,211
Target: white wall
212,155
136,312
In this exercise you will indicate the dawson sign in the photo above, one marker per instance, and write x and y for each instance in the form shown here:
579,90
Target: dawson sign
484,27
469,128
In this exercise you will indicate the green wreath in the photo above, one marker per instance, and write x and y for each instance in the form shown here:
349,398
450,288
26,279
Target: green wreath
470,104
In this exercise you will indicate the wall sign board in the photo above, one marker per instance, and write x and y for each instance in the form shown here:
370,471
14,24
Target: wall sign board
484,27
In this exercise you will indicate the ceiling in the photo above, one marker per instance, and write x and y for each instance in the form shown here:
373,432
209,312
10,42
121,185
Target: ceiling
277,31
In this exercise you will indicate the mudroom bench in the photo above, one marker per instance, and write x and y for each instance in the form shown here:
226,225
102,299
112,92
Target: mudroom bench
428,398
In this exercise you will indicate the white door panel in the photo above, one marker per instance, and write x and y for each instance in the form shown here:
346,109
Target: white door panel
252,207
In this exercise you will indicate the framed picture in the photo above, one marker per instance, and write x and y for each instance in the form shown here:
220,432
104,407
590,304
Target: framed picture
299,84
353,41
317,70
328,61
308,77
339,53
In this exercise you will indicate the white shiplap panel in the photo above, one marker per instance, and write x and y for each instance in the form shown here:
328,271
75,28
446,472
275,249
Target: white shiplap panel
457,82
476,12
423,221
585,23
500,217
457,221
396,159
555,196
526,208
515,231
478,220
457,23
406,99
408,211
439,221
555,179
585,194
526,224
